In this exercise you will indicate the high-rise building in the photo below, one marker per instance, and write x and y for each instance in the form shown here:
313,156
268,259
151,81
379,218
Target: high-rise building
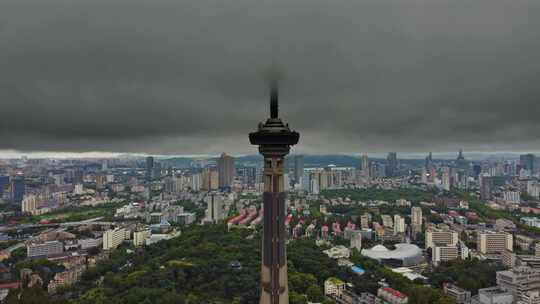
196,181
461,163
214,209
29,204
399,224
156,173
101,180
494,242
366,168
387,221
526,161
274,139
149,168
225,170
4,183
210,179
17,189
298,168
247,175
446,184
416,216
365,219
112,238
429,161
391,164
486,187
533,188
78,176
356,240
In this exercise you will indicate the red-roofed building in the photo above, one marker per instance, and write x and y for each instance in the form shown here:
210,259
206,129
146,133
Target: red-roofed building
6,287
324,232
336,228
392,296
471,215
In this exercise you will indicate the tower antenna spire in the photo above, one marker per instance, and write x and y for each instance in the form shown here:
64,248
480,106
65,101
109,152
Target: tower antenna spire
274,109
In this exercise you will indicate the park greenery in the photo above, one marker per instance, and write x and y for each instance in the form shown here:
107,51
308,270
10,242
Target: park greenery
471,274
196,268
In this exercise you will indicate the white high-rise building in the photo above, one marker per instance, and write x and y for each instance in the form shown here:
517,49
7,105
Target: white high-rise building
196,181
305,181
365,166
387,221
416,216
314,186
533,189
214,210
446,178
399,224
286,182
113,238
29,203
356,240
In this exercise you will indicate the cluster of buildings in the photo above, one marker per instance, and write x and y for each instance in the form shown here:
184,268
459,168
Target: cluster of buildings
343,293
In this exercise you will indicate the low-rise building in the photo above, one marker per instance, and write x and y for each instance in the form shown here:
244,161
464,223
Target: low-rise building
460,295
333,287
186,218
492,295
89,243
519,280
44,249
392,296
139,237
523,242
531,221
338,252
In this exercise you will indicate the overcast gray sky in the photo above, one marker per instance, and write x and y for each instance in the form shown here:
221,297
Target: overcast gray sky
186,77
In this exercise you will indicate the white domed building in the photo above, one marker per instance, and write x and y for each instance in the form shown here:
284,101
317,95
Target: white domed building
403,255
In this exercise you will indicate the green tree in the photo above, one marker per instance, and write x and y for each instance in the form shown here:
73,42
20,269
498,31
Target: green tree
295,298
314,294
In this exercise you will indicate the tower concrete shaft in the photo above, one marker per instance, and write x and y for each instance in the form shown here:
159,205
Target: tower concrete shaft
274,258
274,140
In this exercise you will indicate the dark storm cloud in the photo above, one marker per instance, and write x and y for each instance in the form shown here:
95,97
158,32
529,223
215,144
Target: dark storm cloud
189,76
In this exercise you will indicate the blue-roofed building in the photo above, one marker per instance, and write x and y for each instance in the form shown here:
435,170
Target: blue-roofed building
163,227
358,270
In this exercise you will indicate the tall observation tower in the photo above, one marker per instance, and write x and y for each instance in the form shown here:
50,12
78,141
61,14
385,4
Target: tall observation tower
274,139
